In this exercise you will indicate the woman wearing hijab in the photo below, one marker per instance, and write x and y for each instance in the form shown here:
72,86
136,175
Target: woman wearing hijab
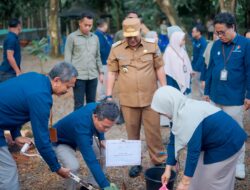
177,63
213,139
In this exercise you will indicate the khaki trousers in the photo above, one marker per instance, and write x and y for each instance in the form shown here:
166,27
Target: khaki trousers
134,118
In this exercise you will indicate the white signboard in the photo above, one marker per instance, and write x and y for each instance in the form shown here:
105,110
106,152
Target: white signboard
123,152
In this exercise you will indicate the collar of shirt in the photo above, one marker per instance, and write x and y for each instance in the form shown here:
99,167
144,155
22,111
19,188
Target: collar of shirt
99,31
234,41
13,34
49,84
79,33
142,43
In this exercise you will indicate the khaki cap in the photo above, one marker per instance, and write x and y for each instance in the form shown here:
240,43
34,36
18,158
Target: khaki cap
131,27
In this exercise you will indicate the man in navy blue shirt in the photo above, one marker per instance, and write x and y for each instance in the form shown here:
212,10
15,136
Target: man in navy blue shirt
228,73
105,46
29,98
199,46
10,66
76,131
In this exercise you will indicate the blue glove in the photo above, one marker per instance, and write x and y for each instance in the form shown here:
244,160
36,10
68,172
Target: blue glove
111,187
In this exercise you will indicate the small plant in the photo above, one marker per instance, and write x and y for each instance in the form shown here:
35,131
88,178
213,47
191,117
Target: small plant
37,48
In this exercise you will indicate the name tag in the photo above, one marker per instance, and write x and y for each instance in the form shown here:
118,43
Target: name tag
223,75
184,68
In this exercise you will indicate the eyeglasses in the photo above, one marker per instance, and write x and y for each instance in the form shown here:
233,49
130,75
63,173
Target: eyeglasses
221,33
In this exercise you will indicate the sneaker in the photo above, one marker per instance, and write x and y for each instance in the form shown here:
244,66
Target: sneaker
240,171
135,171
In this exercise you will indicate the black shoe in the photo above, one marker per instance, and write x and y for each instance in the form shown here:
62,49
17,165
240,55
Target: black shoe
135,171
165,126
83,188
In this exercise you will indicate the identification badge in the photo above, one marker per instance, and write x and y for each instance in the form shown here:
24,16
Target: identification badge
53,134
184,68
223,75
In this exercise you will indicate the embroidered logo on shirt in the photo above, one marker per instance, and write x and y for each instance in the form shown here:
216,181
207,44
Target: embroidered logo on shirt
237,49
218,53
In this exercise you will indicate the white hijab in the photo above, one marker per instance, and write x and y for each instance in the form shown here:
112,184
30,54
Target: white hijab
186,113
175,59
172,29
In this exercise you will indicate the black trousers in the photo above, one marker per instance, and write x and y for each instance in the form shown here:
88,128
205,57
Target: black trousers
5,76
84,88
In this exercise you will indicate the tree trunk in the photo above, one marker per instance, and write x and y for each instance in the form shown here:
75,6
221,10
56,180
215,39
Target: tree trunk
167,7
41,17
53,27
228,6
28,23
116,4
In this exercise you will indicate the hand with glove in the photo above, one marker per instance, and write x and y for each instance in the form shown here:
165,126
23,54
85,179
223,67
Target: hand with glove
111,187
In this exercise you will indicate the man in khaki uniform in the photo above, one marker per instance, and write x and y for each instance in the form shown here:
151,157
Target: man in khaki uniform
138,64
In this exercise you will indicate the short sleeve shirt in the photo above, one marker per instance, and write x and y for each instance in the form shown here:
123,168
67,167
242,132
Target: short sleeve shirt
136,69
11,42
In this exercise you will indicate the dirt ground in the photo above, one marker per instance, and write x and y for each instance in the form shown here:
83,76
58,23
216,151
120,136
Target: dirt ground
35,175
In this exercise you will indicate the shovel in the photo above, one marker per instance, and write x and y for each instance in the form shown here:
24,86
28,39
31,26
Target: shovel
74,177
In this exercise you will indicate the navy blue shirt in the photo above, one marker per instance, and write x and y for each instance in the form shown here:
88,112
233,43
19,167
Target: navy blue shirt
199,47
105,46
163,42
218,135
173,83
28,97
11,42
236,88
77,130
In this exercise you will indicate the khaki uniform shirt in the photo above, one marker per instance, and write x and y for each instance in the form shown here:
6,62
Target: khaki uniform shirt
83,51
137,80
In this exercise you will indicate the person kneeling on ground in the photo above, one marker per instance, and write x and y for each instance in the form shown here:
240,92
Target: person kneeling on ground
76,131
214,141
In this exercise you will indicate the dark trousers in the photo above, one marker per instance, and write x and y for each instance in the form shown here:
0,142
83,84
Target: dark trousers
5,76
82,88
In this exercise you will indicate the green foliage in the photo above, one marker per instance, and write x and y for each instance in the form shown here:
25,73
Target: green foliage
36,48
17,8
242,8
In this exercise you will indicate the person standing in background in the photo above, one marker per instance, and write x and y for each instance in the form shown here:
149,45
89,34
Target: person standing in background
131,14
227,82
163,36
10,66
177,64
247,34
105,46
199,46
206,57
210,28
82,49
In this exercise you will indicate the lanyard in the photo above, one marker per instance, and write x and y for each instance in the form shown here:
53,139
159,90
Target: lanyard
226,59
177,54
